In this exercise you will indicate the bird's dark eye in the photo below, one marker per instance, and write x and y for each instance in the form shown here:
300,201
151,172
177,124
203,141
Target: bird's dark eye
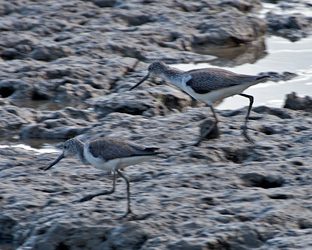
65,147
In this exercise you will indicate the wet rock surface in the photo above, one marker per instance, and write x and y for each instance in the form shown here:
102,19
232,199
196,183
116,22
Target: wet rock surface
226,193
298,103
65,71
293,26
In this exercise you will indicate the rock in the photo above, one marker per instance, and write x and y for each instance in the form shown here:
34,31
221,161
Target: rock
275,76
105,3
205,125
184,244
190,6
125,236
12,118
298,103
6,89
23,90
11,54
133,18
16,47
6,8
292,239
10,40
72,91
236,155
283,114
69,112
243,6
60,236
50,53
15,89
244,29
293,27
43,131
128,236
62,124
268,130
135,105
143,103
6,227
263,181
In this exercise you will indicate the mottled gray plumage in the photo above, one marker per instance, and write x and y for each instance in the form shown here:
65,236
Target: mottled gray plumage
75,147
209,79
111,148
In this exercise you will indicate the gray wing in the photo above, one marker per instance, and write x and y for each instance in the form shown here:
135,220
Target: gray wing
206,80
111,148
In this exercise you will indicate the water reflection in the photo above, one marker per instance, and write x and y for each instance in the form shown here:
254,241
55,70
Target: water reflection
283,55
48,104
37,146
234,56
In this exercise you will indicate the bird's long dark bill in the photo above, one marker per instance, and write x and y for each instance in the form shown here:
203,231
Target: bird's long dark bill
144,78
56,161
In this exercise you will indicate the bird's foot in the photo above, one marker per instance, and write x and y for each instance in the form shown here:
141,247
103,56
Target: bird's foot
244,129
126,214
135,216
186,145
86,198
91,196
195,144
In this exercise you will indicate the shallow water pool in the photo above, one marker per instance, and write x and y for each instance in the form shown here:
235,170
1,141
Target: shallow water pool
282,55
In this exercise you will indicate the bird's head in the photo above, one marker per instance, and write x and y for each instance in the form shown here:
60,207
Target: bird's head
70,147
154,69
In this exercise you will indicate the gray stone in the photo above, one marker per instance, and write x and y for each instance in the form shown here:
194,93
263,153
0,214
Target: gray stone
263,181
205,125
128,236
281,113
62,124
105,3
185,245
11,54
293,27
133,18
6,8
235,28
12,118
298,103
6,226
142,103
50,53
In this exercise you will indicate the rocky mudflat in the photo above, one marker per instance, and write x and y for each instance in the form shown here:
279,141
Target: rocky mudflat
65,71
224,194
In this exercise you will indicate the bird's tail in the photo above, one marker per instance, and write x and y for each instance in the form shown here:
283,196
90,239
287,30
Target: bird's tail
152,150
263,78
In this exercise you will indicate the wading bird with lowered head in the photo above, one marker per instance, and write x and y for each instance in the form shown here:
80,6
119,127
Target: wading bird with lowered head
107,154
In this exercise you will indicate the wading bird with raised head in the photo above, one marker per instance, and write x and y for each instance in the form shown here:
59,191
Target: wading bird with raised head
208,85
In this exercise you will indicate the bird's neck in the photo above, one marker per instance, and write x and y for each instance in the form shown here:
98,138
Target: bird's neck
173,75
80,154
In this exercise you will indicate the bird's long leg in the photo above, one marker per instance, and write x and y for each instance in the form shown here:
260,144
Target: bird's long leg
202,136
244,128
128,193
91,196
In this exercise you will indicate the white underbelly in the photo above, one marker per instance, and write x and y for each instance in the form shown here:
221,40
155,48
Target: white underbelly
217,95
117,163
